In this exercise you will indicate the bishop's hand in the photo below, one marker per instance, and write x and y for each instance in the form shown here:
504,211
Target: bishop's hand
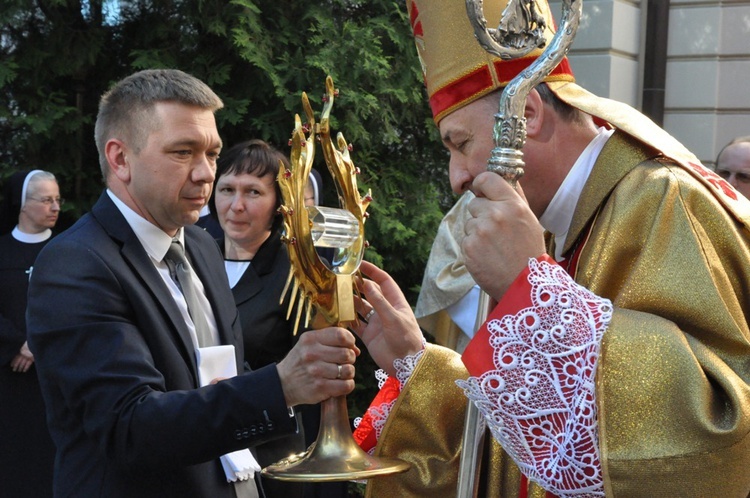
501,235
390,332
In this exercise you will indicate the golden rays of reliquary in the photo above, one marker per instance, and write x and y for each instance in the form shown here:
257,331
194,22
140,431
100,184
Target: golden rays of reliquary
315,286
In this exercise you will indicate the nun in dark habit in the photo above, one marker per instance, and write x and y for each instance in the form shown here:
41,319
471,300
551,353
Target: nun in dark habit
32,202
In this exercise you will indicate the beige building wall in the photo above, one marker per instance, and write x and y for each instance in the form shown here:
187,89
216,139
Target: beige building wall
707,91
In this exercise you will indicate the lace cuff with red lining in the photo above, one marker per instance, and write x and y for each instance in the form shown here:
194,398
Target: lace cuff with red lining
370,425
532,367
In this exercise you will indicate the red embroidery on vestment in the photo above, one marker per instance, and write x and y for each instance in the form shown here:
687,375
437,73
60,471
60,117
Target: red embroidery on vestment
715,180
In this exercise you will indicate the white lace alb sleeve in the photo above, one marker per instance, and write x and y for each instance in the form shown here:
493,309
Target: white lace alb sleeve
539,401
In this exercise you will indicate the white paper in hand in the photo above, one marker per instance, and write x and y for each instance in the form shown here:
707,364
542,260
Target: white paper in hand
218,362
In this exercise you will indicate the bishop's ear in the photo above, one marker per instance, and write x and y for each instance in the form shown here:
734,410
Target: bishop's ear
534,113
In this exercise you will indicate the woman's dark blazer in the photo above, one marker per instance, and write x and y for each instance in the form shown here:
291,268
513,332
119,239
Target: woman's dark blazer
267,334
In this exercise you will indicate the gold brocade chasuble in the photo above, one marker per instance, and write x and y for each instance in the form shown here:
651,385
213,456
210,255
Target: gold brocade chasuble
673,380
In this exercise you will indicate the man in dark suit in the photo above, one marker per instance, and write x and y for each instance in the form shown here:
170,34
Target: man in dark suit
113,337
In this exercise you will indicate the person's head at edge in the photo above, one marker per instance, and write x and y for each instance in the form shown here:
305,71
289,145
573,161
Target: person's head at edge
31,202
247,196
158,145
733,164
40,202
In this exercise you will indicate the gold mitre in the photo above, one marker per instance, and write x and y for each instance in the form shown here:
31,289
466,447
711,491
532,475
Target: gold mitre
456,69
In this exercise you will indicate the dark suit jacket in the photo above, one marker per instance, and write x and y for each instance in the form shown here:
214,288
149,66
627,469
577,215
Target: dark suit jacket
117,368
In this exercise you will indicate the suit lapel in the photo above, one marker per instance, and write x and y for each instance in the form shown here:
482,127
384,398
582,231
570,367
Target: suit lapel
114,223
251,285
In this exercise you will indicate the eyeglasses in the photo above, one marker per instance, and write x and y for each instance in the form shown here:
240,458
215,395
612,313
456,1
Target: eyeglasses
48,201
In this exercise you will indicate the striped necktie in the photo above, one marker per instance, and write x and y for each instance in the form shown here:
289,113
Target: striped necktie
182,274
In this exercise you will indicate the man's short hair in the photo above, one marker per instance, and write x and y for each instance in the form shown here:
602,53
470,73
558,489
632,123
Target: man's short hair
126,110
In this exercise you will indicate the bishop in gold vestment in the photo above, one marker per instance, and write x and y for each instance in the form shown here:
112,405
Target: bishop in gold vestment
617,363
672,382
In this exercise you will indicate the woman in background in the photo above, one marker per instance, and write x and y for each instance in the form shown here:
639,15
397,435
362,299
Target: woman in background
246,199
27,456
